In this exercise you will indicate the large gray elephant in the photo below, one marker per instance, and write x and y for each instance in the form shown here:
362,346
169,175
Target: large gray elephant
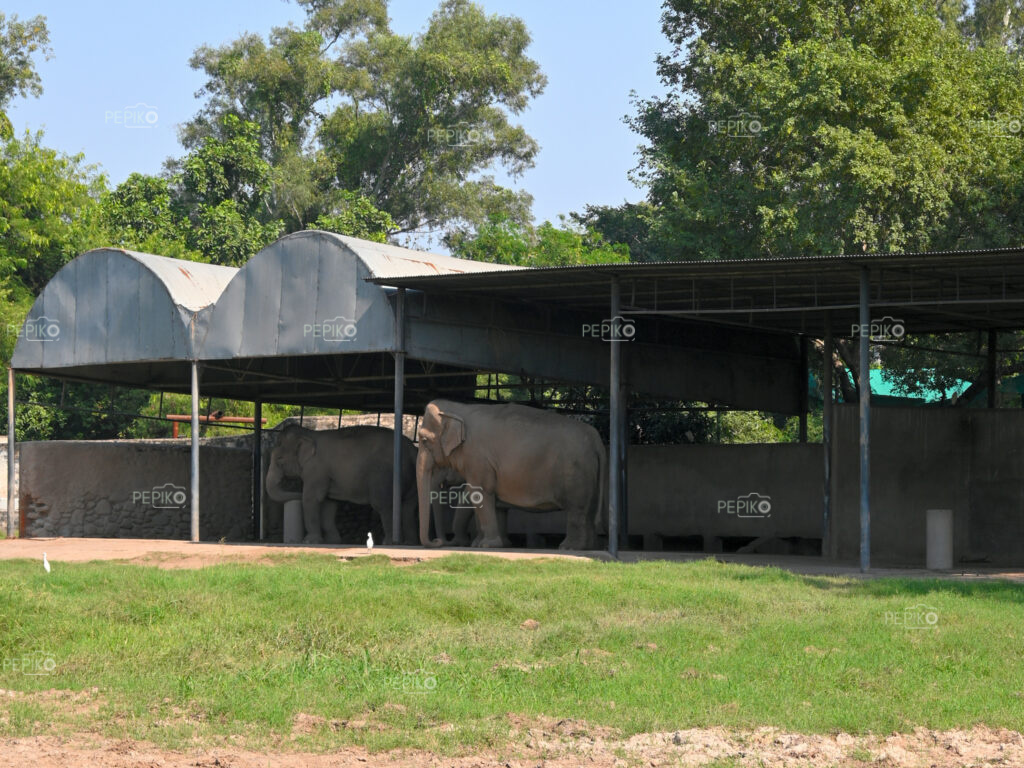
526,457
349,464
465,530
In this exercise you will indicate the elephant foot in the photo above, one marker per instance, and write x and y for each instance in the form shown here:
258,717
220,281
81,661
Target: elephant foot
333,537
312,538
494,542
462,541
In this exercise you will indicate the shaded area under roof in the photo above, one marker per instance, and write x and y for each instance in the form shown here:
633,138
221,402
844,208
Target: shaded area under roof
932,292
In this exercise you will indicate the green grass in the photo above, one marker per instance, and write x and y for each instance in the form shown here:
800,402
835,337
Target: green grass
433,654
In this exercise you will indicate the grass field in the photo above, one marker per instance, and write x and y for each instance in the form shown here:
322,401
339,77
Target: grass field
435,655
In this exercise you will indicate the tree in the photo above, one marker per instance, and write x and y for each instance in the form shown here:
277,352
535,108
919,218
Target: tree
140,215
48,212
19,42
504,241
412,124
826,127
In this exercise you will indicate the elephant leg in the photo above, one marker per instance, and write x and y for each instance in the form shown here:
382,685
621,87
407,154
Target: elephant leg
460,527
329,521
386,520
487,519
580,534
311,520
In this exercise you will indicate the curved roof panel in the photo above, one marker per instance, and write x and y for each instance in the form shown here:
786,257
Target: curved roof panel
112,306
307,294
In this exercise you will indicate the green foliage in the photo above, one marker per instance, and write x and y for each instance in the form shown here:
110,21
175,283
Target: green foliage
48,212
505,241
356,216
20,41
140,215
631,224
210,210
57,410
805,128
412,124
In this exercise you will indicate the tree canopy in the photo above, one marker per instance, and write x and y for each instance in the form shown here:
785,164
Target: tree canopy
821,126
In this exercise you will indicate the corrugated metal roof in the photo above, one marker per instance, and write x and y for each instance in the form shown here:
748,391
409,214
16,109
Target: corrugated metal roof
111,305
192,285
384,260
933,292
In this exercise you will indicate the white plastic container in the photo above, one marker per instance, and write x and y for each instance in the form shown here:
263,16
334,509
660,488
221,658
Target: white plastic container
939,539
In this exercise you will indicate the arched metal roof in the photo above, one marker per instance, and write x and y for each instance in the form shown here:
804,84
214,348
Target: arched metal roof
308,294
116,306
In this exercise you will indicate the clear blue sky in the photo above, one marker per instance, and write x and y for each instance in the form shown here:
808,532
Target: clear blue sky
112,55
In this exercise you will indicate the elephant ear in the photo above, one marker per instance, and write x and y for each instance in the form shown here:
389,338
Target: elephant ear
453,433
307,449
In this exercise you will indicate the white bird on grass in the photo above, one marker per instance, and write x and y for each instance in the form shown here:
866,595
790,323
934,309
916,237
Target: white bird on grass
46,563
369,541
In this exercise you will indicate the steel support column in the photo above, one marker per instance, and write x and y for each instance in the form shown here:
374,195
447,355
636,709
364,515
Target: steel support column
615,422
194,469
826,436
864,386
257,470
624,468
396,456
11,452
803,389
990,369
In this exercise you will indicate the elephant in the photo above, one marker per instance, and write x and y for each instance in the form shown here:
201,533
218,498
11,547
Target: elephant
349,464
524,457
463,516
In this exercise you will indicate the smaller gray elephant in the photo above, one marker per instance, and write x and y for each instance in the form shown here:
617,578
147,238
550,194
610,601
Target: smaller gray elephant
350,464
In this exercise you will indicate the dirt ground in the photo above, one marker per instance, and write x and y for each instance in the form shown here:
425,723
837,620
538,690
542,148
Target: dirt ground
166,553
563,744
534,743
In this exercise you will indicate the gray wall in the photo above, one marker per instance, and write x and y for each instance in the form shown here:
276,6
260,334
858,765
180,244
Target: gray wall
94,488
969,460
676,490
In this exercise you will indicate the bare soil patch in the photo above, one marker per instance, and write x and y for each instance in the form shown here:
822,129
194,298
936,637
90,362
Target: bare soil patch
553,743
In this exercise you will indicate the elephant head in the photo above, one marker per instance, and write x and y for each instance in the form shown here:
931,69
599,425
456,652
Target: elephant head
294,449
440,435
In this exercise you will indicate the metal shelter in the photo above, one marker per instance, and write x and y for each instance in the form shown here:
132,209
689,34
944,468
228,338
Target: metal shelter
820,297
322,319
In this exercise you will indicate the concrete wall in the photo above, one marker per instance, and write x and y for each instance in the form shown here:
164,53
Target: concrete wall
104,488
3,483
694,490
969,460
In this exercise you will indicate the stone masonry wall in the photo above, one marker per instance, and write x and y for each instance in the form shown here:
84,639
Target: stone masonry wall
134,489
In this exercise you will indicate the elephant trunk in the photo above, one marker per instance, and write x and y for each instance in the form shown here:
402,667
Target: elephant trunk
273,486
424,485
